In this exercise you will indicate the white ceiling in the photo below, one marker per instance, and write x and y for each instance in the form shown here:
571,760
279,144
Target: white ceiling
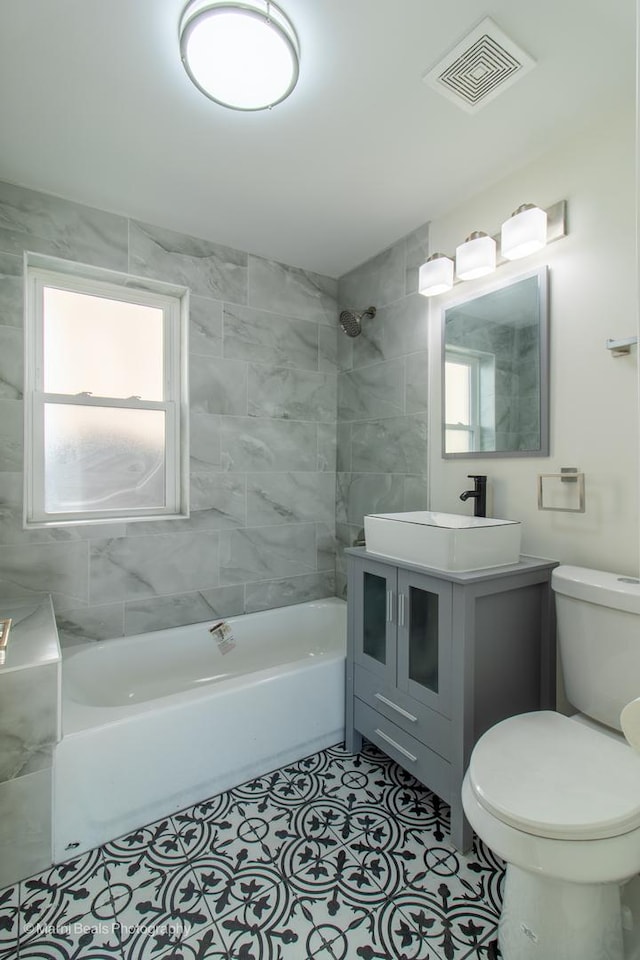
96,107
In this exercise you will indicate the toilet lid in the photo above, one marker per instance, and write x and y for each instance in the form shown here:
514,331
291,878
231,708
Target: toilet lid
551,776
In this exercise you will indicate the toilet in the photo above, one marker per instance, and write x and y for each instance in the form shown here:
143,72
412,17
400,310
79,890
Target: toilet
558,798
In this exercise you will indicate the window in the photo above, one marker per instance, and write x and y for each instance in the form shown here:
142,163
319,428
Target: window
105,396
469,400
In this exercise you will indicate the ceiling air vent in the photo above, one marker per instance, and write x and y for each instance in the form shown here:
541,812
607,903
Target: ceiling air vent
480,67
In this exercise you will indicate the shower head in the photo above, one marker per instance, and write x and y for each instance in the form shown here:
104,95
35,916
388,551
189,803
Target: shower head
351,321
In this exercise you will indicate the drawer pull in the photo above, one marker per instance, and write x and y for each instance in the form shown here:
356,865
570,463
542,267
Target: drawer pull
405,753
394,706
389,606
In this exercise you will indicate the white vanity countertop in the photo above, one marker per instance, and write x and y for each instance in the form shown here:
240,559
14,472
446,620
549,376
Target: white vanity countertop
33,638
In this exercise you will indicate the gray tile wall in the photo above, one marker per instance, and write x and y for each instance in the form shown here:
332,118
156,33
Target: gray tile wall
29,730
263,447
382,392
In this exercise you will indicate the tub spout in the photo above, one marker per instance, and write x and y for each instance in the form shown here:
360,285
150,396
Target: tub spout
5,626
478,494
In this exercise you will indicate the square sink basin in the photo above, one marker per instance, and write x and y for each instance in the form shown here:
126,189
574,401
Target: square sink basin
443,541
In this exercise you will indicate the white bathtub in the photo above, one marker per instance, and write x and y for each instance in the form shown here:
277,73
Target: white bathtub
154,723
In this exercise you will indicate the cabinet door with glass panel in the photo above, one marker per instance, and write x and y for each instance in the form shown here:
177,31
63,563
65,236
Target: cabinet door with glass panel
403,631
375,619
424,639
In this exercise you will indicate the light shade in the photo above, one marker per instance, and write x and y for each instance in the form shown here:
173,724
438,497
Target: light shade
242,55
524,232
436,275
476,256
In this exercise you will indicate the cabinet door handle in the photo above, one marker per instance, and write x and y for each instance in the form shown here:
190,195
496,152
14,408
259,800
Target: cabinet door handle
401,609
389,606
394,706
405,753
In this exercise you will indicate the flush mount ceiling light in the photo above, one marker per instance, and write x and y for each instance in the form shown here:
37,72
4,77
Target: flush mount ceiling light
436,275
241,55
476,256
524,232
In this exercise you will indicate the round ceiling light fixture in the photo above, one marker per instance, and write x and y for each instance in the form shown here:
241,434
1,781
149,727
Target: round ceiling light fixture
244,56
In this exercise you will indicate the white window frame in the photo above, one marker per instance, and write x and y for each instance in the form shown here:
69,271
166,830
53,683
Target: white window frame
41,272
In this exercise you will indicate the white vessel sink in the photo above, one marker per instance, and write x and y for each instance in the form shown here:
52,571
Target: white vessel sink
444,541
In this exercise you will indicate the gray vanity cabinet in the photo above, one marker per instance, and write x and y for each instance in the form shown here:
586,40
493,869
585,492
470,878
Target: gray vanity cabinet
434,659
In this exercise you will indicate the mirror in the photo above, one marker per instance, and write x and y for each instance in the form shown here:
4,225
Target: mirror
495,379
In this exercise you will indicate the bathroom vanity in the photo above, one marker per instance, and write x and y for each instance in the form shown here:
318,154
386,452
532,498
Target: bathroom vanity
435,658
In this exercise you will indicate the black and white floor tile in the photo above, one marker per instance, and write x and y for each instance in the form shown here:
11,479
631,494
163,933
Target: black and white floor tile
332,858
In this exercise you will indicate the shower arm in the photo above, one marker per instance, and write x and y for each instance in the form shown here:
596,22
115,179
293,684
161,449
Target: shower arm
620,348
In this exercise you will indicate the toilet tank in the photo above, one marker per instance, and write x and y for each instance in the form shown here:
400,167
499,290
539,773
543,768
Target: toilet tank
599,640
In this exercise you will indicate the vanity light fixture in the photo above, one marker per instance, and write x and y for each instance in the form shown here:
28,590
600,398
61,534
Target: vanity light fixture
476,257
527,230
524,232
436,275
245,56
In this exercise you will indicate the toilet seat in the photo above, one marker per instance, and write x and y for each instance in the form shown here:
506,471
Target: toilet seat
550,776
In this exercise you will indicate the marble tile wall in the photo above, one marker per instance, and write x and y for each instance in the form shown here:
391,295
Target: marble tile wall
382,392
29,730
264,388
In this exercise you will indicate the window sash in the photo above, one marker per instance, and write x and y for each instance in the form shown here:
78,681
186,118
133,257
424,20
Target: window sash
38,279
472,368
36,398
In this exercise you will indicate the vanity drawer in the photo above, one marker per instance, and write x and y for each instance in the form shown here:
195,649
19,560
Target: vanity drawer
412,755
415,718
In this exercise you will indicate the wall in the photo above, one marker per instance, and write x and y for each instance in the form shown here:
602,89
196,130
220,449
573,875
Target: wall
263,382
382,392
389,405
30,727
265,355
594,406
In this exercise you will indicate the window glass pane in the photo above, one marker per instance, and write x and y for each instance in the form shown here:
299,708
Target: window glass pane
103,459
423,638
107,347
374,615
457,393
457,441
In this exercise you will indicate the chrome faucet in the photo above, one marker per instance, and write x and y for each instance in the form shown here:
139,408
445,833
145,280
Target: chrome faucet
478,494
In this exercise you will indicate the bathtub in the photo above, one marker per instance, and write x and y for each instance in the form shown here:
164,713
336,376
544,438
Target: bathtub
154,723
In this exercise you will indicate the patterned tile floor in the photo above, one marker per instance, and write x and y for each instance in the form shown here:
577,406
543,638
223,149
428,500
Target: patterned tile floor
335,858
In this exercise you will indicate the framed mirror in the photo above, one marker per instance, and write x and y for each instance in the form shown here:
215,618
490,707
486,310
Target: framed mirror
495,372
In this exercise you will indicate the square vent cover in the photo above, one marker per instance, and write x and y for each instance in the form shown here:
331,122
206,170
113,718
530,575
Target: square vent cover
480,67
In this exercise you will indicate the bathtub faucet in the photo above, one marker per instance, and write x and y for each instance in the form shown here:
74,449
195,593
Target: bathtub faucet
478,494
5,626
